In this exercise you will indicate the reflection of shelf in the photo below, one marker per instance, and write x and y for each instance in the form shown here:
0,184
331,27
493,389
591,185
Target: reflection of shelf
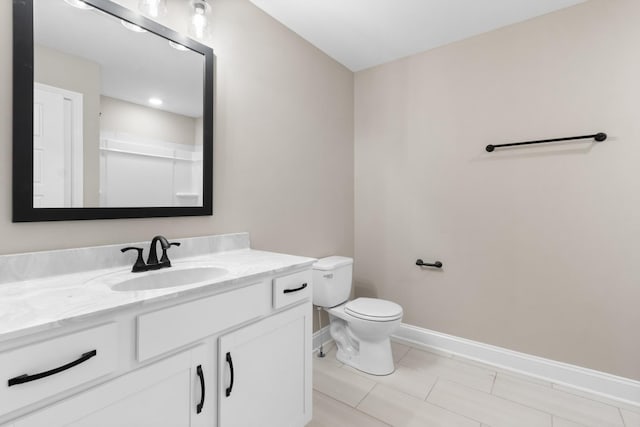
163,150
187,195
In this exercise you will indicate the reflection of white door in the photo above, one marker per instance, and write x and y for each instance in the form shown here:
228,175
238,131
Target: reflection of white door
57,147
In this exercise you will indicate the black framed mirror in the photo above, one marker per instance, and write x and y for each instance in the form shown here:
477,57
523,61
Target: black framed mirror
112,115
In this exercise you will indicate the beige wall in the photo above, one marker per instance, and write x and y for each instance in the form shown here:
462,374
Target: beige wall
541,246
283,149
147,122
76,74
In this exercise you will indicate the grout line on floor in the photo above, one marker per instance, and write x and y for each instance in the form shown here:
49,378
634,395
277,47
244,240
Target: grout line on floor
622,417
365,413
585,394
533,408
375,418
397,362
356,408
365,396
559,415
431,389
456,413
493,383
551,414
593,397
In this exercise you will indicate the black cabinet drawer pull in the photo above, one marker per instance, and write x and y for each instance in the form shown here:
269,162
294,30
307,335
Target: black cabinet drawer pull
230,362
288,291
201,376
28,378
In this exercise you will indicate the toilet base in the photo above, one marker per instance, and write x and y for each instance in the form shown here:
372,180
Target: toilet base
374,358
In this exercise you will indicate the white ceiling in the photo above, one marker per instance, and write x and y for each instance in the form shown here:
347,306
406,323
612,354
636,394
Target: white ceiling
363,33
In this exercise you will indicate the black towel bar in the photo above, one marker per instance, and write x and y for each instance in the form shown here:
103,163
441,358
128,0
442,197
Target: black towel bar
598,137
421,263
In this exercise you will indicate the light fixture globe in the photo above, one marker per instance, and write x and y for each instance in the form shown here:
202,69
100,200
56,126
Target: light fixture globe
199,24
153,8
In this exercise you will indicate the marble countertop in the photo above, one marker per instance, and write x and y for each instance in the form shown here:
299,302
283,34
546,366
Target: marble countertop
43,303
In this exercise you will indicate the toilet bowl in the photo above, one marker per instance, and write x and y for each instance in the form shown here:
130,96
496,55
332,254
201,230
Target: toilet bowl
361,328
362,336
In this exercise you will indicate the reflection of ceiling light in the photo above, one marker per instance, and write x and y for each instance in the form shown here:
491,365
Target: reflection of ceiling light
198,21
153,8
198,27
156,102
79,4
178,46
132,27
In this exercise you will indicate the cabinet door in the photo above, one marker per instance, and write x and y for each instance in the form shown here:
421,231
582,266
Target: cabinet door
265,372
164,394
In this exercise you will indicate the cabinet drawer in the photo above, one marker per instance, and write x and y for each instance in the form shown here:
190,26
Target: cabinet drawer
292,288
56,365
171,328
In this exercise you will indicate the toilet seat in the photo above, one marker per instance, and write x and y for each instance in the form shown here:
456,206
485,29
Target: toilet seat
374,309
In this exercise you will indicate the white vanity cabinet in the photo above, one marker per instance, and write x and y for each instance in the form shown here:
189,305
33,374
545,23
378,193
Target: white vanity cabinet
166,364
265,374
164,394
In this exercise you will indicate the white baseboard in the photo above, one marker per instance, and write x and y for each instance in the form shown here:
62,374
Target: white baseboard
600,383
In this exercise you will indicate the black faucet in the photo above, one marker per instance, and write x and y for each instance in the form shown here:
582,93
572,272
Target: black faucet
152,260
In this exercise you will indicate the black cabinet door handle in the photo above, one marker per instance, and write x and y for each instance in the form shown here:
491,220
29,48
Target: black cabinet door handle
28,378
288,291
230,362
201,376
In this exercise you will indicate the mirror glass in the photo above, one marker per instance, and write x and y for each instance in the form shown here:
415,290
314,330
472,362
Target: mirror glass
117,112
122,111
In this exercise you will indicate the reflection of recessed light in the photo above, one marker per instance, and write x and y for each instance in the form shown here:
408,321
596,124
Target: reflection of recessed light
133,27
79,4
156,102
178,46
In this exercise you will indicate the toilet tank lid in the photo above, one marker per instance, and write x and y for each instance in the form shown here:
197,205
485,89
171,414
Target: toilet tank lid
332,262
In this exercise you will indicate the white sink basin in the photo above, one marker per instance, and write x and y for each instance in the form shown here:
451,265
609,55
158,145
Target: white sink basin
164,278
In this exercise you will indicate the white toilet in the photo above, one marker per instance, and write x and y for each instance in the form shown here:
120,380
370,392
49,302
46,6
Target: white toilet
361,328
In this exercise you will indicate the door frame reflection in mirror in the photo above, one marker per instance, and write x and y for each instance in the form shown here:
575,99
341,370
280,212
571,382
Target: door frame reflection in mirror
23,96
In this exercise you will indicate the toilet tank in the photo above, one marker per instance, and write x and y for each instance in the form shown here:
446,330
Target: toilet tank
332,280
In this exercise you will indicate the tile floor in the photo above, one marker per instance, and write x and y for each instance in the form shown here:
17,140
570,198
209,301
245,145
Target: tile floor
429,389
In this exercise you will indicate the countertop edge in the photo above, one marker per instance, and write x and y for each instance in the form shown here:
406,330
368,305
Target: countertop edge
179,295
